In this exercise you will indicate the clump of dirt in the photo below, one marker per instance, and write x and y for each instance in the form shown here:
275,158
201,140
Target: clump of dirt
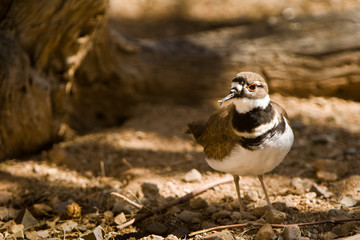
67,189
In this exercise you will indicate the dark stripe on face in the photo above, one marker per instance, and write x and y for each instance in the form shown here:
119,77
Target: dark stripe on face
247,122
254,143
239,79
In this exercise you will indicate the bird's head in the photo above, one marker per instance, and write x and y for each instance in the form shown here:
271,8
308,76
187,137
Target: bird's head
248,91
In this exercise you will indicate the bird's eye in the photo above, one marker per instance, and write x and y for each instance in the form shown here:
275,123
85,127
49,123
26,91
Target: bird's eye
252,87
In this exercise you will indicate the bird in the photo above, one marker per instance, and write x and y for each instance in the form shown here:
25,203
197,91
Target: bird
248,137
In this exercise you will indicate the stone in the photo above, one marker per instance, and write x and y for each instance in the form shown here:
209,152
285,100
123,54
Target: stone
17,230
157,228
223,235
221,214
120,218
206,224
198,203
260,211
275,216
171,237
310,195
338,213
326,176
97,234
187,216
301,186
320,191
192,176
329,236
181,231
68,226
43,234
8,213
40,209
150,191
25,218
108,214
5,197
328,169
292,233
344,229
265,233
153,237
251,196
348,201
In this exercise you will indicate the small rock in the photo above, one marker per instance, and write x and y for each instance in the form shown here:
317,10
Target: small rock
150,191
265,233
181,232
221,214
120,218
40,209
275,216
310,195
352,150
198,203
329,236
68,226
17,230
260,211
211,209
5,197
320,191
108,214
235,216
43,234
73,210
326,176
193,176
292,233
32,235
97,234
153,237
348,201
25,218
322,139
187,216
8,213
157,228
301,186
251,196
330,168
344,229
338,213
206,224
171,237
224,235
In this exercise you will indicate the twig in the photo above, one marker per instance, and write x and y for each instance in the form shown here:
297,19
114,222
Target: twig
102,167
174,202
255,224
125,199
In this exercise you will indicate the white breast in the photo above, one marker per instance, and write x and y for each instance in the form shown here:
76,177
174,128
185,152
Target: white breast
244,162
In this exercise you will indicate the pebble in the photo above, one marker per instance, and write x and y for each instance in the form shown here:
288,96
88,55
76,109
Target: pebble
171,237
329,170
343,229
275,216
73,210
221,214
320,191
206,224
43,234
97,234
7,213
108,214
224,235
348,201
25,218
251,196
338,213
40,209
181,231
152,237
192,176
150,191
120,218
292,233
187,216
198,203
260,211
329,236
310,195
301,186
68,226
265,233
157,228
5,197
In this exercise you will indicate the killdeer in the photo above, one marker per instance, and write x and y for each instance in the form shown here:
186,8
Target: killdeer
250,136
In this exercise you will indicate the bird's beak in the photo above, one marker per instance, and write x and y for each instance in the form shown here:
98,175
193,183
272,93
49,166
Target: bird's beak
228,97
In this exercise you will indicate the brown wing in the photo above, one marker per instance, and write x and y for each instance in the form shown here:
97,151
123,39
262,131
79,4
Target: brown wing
218,138
279,109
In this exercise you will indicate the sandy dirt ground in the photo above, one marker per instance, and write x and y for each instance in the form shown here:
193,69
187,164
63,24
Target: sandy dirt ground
150,159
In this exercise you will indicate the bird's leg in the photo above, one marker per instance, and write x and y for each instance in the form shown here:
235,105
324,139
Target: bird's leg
266,195
236,180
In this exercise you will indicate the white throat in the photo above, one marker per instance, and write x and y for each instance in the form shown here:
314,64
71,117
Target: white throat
244,105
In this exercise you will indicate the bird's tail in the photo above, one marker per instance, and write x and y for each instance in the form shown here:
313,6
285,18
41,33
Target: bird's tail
196,128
